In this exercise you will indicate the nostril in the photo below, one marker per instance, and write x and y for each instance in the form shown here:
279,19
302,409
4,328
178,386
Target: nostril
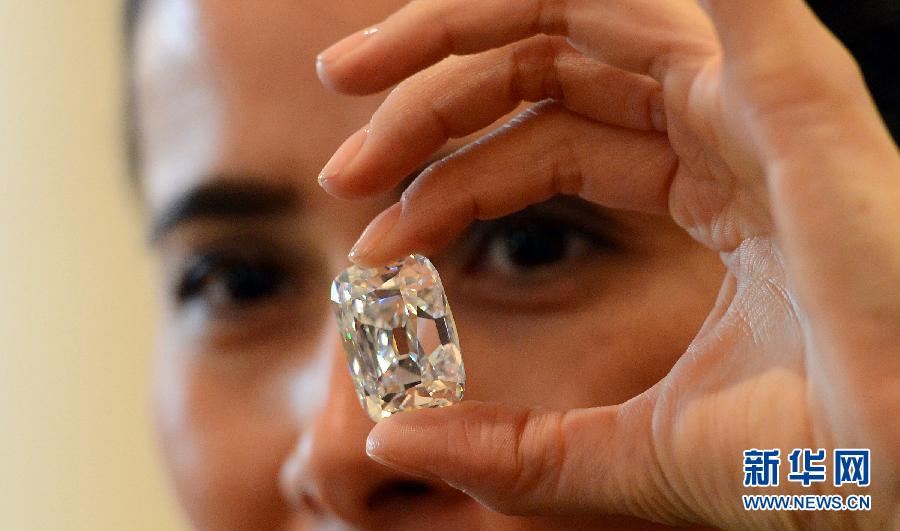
394,492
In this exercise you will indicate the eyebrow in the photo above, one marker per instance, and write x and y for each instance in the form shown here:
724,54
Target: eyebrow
225,199
229,198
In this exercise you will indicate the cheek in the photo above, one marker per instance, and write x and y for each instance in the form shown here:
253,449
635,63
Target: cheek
580,360
601,353
224,438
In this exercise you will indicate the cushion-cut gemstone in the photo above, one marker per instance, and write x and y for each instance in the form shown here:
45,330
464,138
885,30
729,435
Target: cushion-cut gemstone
399,336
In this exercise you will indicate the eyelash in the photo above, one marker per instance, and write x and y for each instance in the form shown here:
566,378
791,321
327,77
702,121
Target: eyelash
246,280
513,232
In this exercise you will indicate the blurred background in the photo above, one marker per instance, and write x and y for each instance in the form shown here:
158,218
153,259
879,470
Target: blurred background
76,310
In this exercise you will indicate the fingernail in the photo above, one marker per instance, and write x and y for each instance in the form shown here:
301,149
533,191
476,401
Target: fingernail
343,155
345,45
375,233
374,450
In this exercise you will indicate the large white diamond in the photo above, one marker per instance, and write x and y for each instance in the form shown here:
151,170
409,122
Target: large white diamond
399,336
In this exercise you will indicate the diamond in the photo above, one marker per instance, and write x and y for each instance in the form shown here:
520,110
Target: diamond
399,336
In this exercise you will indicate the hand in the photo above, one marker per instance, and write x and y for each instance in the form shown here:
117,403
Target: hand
751,126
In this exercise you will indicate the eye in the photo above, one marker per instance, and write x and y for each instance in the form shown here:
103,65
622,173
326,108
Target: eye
233,291
528,245
550,256
222,282
533,246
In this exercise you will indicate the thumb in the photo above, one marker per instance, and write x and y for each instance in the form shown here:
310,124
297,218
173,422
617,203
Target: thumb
833,178
524,461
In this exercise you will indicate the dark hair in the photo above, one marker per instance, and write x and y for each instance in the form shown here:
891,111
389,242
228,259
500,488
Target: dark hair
870,29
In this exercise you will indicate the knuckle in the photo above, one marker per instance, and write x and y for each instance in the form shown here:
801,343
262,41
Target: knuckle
550,16
532,459
534,71
566,172
513,457
443,124
450,42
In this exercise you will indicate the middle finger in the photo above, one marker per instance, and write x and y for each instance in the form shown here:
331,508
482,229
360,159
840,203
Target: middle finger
462,95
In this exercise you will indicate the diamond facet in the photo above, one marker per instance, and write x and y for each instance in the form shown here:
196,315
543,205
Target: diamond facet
399,336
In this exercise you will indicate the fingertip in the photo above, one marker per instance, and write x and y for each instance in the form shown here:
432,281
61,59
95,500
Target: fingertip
345,79
416,424
343,157
350,174
332,64
379,443
351,188
388,435
387,444
366,249
375,447
347,188
323,71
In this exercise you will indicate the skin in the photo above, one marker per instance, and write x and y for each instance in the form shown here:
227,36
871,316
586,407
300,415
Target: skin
256,414
775,157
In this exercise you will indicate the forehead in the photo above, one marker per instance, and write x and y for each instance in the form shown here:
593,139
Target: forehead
230,87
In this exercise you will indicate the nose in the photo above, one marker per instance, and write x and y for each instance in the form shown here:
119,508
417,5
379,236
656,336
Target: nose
330,474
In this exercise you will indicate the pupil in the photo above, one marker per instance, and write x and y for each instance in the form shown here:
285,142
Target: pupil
536,246
248,282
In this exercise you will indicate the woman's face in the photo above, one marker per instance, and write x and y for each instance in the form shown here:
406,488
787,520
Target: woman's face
562,305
